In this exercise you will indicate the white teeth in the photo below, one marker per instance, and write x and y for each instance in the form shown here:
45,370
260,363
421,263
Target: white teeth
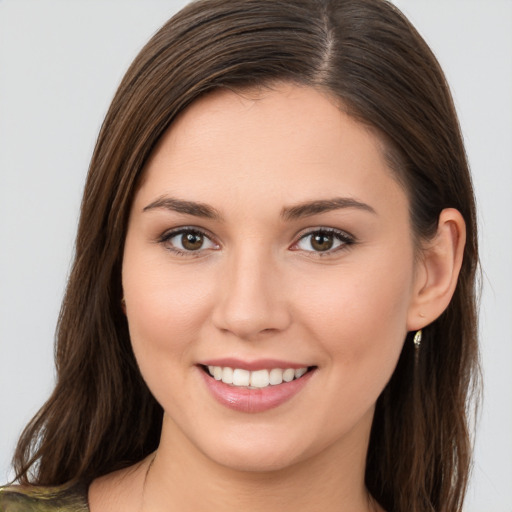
260,379
255,379
275,376
288,374
227,375
299,372
241,377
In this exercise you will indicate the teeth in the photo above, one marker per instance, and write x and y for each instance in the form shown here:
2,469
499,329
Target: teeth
260,379
255,379
299,372
241,377
275,376
227,375
288,374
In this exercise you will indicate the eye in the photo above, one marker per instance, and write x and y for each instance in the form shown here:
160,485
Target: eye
326,240
187,240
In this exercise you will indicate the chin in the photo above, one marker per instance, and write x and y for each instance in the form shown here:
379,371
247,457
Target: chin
255,460
269,447
255,447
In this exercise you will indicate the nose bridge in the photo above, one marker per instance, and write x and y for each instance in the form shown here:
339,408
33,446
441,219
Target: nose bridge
252,298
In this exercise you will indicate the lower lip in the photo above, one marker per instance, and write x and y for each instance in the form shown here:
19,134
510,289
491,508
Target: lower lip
254,400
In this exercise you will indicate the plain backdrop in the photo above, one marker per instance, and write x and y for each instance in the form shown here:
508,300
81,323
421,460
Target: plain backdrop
60,63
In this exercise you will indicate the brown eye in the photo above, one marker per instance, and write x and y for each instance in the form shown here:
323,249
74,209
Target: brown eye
187,240
322,241
192,241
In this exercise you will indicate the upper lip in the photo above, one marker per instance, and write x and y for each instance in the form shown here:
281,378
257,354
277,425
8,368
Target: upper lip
257,364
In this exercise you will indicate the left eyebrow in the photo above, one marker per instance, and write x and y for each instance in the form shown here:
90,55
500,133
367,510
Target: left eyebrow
321,206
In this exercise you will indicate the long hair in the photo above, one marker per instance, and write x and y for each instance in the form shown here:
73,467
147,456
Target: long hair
101,416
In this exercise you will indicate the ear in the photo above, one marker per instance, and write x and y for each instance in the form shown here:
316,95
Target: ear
437,270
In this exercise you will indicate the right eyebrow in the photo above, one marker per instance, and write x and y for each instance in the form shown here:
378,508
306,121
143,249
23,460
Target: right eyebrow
181,206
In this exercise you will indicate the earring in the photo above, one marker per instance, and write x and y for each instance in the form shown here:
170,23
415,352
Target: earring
417,339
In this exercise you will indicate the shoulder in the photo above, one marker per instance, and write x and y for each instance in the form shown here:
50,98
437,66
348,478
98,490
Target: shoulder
65,498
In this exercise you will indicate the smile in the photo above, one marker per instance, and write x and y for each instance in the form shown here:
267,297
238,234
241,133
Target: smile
256,387
257,379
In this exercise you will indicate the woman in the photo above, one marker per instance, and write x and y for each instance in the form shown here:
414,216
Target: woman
272,303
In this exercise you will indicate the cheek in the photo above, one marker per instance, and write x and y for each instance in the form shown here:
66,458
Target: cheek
165,312
359,316
165,307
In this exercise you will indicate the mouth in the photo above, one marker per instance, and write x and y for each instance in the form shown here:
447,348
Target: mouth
255,379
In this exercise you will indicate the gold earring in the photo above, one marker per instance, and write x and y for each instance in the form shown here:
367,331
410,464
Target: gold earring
417,339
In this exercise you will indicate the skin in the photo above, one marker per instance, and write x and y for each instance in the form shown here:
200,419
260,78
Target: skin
257,288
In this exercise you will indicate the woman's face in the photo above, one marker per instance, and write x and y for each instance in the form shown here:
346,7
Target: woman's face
267,236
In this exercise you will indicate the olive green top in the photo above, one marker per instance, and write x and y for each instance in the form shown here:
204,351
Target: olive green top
66,498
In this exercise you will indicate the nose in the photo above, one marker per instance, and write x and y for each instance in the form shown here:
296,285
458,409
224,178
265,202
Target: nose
252,300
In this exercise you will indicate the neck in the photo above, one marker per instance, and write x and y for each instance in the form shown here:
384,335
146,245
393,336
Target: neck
183,478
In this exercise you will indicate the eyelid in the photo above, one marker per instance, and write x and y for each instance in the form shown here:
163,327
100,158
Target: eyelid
346,238
171,233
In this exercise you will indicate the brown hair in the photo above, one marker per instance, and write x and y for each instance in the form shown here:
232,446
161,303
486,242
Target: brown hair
101,416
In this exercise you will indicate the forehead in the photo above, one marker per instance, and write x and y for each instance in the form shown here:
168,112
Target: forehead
286,143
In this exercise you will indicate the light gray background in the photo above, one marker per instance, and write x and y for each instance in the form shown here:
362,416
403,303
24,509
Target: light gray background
60,62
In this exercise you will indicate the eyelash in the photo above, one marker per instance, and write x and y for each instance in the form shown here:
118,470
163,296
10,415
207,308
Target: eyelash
169,235
345,239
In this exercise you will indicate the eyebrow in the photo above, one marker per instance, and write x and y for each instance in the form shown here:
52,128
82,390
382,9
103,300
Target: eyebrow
298,211
310,208
182,206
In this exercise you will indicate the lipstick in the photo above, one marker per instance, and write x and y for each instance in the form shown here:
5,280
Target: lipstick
286,380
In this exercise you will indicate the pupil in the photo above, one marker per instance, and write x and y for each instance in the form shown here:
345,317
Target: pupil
322,242
192,241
